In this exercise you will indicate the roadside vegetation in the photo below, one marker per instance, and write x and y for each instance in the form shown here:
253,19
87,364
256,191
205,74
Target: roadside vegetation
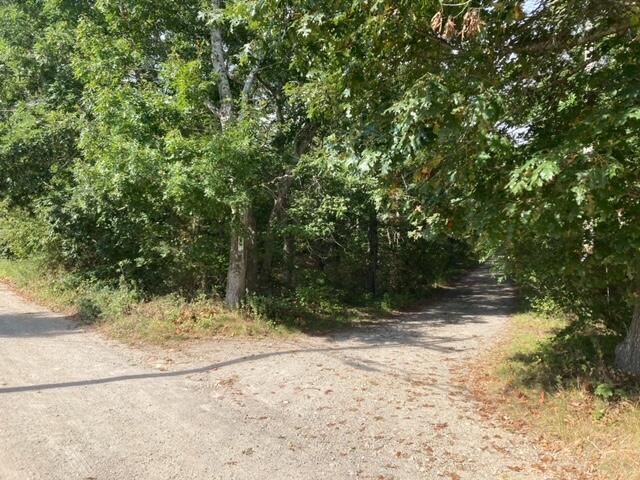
122,314
553,380
127,315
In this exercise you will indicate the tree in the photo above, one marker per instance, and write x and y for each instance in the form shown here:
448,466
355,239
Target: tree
39,119
268,146
243,228
514,129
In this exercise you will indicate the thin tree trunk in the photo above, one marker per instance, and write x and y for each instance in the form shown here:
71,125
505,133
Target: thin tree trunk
267,258
303,143
628,352
290,261
220,68
251,253
276,218
372,252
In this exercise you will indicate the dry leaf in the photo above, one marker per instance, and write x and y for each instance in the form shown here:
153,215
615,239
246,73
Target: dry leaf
436,22
449,29
471,24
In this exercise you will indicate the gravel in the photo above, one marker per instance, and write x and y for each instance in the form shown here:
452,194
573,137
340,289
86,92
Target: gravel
377,402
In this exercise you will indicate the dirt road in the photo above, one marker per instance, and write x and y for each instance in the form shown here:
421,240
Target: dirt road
377,402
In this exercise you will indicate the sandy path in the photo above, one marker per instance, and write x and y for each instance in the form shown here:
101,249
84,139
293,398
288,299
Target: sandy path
377,402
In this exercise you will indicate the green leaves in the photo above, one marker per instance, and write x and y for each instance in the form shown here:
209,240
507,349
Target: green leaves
522,137
525,139
535,173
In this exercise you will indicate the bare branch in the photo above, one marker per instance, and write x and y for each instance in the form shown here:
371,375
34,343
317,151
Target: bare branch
248,83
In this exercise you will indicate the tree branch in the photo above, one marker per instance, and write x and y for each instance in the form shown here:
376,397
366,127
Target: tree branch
220,67
248,83
275,92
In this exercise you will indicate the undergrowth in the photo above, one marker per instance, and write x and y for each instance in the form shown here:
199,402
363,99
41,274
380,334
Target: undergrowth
126,314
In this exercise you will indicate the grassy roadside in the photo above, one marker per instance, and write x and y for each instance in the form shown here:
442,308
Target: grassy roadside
123,314
558,388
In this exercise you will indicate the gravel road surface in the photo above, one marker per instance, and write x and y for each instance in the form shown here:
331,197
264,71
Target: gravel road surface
377,402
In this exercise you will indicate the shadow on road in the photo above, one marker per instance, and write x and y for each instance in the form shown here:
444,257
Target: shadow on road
476,297
37,324
437,343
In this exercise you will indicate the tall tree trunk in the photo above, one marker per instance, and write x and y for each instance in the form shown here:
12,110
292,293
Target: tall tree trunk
240,253
372,252
628,352
242,268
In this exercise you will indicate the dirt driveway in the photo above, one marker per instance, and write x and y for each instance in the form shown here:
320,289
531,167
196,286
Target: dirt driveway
378,402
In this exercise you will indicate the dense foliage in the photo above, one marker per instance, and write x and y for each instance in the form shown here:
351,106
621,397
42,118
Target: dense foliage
267,146
117,161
